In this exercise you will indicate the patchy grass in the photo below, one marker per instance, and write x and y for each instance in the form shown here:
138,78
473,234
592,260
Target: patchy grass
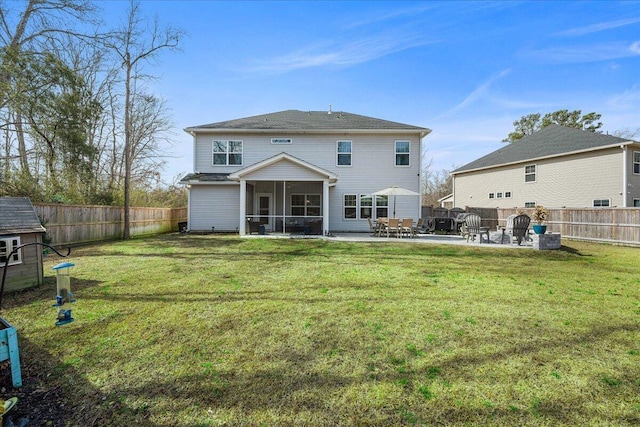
185,330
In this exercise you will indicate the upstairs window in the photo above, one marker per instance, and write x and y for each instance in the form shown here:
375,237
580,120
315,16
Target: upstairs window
227,153
530,173
343,149
7,245
402,153
636,162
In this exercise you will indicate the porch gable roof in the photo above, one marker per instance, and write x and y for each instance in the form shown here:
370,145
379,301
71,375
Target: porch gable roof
238,175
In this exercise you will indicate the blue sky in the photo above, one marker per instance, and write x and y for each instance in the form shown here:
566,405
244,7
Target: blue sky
464,69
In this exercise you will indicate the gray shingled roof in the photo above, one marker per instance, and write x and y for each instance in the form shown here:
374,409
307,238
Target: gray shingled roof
550,141
205,177
293,120
17,215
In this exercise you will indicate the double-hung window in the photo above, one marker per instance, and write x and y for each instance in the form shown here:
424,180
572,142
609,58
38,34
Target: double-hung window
7,245
227,153
350,206
402,150
636,162
343,152
382,206
366,206
530,173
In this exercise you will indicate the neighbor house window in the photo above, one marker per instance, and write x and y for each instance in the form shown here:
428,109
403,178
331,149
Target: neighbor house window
601,203
382,206
530,173
343,149
636,162
636,203
366,206
492,195
227,153
499,196
350,206
529,204
7,245
402,153
507,194
305,204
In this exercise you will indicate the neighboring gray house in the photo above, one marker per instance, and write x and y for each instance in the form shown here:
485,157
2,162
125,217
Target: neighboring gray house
301,171
555,167
19,224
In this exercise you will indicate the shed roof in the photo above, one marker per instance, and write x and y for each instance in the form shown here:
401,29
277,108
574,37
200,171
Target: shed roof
550,141
18,216
296,120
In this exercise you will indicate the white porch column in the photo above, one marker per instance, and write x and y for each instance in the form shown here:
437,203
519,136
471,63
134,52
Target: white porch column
325,207
243,207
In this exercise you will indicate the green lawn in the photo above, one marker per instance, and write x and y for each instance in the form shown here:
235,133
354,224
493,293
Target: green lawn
187,330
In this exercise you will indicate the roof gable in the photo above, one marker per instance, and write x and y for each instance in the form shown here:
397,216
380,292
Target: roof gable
296,120
280,158
17,215
550,141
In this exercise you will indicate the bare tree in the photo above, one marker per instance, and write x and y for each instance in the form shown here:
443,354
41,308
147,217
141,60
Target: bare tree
136,44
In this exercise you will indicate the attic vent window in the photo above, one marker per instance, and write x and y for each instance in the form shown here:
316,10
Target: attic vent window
281,140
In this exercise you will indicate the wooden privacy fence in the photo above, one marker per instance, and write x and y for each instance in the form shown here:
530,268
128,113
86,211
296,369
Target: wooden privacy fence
606,225
73,224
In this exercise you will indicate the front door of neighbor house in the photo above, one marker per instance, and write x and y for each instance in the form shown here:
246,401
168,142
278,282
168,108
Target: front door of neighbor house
264,208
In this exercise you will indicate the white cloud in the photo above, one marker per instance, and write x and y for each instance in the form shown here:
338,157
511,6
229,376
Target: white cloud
340,54
629,99
585,53
601,26
476,94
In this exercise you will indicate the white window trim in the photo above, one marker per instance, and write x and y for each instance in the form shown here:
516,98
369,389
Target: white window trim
17,257
227,153
531,204
340,152
375,206
507,194
634,163
395,153
492,195
535,173
344,207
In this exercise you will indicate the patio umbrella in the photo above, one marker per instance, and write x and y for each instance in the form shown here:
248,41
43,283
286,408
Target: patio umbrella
395,191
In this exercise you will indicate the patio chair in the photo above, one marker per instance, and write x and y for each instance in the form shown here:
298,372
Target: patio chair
473,228
374,227
406,227
421,227
393,226
520,230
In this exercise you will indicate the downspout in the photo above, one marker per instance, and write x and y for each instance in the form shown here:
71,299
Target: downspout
625,176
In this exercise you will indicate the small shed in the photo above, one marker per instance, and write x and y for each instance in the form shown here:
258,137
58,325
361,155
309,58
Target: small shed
19,224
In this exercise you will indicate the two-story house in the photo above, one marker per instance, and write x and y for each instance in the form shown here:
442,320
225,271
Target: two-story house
301,171
556,167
